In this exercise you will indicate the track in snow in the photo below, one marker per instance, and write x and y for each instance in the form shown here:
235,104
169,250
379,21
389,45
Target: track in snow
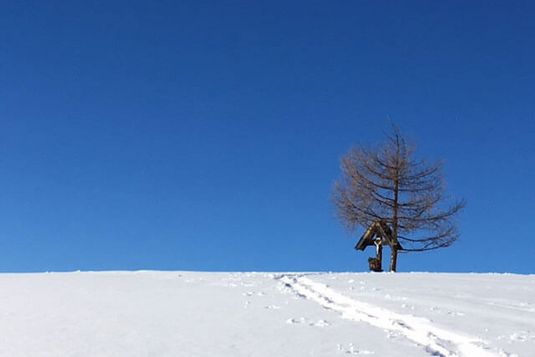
437,341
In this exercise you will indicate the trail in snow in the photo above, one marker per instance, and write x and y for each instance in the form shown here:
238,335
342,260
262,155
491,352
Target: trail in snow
437,341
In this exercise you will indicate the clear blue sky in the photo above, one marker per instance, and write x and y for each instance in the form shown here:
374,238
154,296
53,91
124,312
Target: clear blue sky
204,135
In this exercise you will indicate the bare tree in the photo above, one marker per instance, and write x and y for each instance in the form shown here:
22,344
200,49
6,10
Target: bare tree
388,184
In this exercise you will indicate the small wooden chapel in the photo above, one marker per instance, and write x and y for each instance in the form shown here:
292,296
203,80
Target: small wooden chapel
377,234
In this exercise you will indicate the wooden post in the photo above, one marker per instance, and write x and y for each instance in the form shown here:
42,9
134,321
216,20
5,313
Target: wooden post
380,255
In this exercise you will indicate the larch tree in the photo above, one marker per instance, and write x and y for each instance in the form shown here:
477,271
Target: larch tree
387,184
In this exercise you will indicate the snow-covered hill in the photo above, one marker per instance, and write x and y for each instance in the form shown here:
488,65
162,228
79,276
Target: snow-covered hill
266,314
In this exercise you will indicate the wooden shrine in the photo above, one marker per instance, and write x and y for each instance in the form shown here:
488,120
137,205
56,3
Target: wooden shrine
378,234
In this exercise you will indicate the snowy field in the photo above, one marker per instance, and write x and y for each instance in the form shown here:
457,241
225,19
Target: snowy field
266,314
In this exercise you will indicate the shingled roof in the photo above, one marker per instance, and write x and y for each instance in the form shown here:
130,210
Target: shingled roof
378,229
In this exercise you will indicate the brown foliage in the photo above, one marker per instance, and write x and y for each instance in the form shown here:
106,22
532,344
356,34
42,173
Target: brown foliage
388,183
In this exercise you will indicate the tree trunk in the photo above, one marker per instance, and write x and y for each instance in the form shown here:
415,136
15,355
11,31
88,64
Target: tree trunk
394,260
394,255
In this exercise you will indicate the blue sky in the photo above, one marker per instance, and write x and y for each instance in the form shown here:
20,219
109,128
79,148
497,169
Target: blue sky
201,135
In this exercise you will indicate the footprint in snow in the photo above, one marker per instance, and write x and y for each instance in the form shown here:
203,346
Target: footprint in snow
401,324
455,313
301,320
296,320
320,323
273,307
352,350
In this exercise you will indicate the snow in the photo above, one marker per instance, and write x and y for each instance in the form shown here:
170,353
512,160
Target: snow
150,313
